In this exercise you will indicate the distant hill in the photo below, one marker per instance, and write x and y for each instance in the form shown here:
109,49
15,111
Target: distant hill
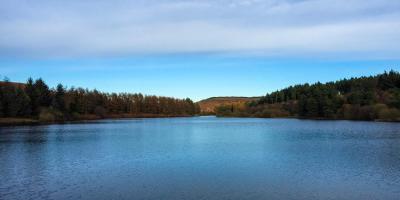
208,105
15,84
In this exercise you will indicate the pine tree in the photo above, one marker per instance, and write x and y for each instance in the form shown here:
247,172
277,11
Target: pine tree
30,91
1,102
23,103
59,98
43,93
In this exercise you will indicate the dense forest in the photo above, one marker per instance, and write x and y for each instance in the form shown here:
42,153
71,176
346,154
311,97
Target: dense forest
35,100
365,98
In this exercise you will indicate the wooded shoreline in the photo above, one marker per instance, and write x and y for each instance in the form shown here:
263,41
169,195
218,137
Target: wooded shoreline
315,118
7,122
35,103
372,98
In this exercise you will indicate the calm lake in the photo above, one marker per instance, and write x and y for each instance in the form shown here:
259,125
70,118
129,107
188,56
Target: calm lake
201,158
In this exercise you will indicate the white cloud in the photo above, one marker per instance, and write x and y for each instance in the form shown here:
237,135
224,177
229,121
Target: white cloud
107,28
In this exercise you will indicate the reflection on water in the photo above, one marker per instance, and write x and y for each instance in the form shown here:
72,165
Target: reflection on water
201,158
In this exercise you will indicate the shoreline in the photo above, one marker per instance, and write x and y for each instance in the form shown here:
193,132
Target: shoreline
318,119
10,122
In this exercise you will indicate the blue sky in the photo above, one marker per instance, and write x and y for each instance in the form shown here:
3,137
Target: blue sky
196,48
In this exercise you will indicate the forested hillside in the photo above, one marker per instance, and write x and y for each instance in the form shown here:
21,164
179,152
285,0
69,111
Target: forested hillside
365,98
35,100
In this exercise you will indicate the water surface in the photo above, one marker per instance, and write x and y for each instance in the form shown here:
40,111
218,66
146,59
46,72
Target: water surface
201,158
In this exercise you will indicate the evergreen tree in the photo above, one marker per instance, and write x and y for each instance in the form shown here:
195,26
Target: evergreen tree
30,91
312,107
1,102
10,102
23,103
1,107
59,98
43,93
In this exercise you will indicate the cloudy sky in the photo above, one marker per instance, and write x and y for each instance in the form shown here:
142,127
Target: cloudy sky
183,48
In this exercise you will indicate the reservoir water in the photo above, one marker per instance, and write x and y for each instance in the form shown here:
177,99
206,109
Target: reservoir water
201,158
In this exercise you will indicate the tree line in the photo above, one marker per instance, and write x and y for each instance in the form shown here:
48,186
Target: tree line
364,98
36,100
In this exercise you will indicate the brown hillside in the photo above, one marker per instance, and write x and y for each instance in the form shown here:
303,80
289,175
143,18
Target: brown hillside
20,85
208,105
